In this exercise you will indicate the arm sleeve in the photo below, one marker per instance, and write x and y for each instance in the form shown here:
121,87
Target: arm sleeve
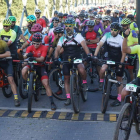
104,38
30,39
60,42
13,36
44,23
134,49
79,38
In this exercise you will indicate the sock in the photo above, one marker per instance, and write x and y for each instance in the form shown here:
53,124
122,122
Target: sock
68,95
51,99
84,81
15,96
119,97
101,80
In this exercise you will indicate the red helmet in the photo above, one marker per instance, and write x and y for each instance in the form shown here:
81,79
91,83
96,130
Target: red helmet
37,37
36,28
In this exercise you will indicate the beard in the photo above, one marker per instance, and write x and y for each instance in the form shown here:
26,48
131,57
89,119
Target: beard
69,32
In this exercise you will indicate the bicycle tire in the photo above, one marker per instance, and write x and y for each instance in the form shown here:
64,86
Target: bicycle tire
51,82
127,106
75,97
106,93
36,94
21,88
30,92
137,127
127,75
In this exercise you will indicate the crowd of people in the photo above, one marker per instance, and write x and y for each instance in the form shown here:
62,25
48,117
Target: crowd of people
109,29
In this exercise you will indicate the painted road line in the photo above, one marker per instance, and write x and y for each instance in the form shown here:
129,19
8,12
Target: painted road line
24,114
62,115
12,113
100,117
75,117
2,112
50,114
37,114
87,117
112,117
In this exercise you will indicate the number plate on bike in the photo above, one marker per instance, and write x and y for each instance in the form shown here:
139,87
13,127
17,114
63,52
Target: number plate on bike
32,61
110,62
77,61
131,87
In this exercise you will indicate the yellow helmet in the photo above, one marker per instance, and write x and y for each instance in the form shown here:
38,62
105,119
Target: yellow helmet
7,22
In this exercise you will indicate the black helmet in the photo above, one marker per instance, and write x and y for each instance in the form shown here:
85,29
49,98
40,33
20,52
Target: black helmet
55,19
37,37
70,20
130,17
60,14
122,15
90,23
82,15
56,12
108,11
115,25
95,13
65,15
58,30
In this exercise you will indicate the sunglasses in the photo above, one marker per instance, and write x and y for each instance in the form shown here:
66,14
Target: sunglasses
55,33
6,26
55,22
123,25
68,26
37,44
115,30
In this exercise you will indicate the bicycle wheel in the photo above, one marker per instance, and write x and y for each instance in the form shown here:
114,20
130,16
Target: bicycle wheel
106,93
7,92
30,92
22,88
83,93
37,89
75,97
57,84
136,120
124,123
126,77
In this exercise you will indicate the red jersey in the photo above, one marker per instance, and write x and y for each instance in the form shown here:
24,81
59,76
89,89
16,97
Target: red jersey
91,36
42,22
41,51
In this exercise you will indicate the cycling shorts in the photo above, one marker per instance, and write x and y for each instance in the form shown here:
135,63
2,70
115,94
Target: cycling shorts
131,60
7,66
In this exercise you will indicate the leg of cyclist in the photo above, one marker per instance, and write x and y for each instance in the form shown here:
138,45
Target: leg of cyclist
131,74
102,75
25,72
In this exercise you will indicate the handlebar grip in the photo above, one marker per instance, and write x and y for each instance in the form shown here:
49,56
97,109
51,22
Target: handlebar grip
8,57
114,81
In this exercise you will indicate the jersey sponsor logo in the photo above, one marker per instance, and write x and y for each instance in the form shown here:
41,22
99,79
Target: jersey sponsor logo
134,34
135,25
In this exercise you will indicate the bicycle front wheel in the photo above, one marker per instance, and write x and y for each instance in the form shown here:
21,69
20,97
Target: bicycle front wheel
124,123
30,92
75,97
106,93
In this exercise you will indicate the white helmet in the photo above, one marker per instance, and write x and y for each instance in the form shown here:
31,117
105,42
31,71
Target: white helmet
37,11
116,11
91,15
106,18
98,16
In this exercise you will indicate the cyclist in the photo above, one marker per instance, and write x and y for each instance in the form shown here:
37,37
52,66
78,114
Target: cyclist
9,36
114,42
16,28
60,16
65,16
8,68
132,40
106,21
133,25
39,20
130,50
115,17
37,52
91,16
71,45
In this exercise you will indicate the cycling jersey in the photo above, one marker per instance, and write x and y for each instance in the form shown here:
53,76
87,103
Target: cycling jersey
133,26
51,34
113,46
106,30
97,27
42,22
18,31
41,51
136,50
3,47
10,37
92,36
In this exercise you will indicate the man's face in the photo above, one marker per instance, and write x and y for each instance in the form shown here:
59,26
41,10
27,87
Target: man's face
97,21
105,22
91,17
69,28
115,14
36,44
55,23
13,23
90,28
114,32
125,27
60,19
37,15
6,28
55,15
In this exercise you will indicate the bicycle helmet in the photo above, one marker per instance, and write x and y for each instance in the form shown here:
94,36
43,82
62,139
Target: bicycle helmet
65,15
69,20
60,14
106,18
56,12
36,28
108,11
116,11
37,11
115,25
31,18
130,17
12,18
90,23
125,21
82,15
86,15
37,37
122,15
7,22
58,30
98,17
95,13
55,19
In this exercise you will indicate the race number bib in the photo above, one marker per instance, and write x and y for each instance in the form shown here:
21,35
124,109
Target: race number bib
131,87
111,62
77,61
